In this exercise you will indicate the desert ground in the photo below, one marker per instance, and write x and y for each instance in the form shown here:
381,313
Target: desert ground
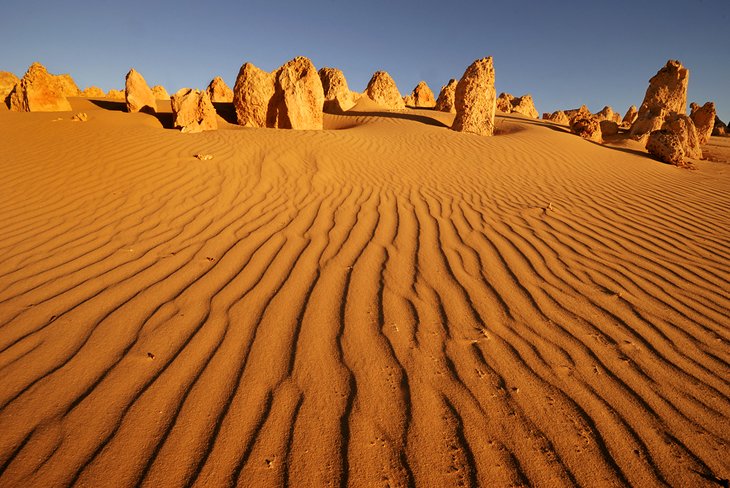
384,302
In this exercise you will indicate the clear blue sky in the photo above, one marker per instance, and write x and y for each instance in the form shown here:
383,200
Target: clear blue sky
564,53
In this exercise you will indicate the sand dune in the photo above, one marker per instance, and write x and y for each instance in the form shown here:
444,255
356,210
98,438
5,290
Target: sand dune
383,303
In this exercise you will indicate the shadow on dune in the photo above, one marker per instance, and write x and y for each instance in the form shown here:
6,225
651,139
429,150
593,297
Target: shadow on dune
396,115
226,111
118,106
165,118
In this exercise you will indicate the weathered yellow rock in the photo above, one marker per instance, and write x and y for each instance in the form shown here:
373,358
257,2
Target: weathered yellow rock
252,97
299,95
192,111
588,127
476,99
137,93
39,91
7,82
290,98
337,95
445,101
525,105
383,90
115,94
504,103
631,114
665,145
93,92
423,96
704,120
218,91
160,93
557,117
666,96
683,127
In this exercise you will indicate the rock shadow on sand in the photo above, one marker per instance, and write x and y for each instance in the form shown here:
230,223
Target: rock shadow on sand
165,118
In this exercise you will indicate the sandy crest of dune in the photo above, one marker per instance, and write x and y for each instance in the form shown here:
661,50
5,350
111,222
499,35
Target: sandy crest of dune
383,303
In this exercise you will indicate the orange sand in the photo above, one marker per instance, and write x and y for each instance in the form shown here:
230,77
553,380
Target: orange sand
383,303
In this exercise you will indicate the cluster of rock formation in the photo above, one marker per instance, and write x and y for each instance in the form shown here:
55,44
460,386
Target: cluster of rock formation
475,99
420,97
40,91
337,95
295,96
665,109
115,94
666,95
93,92
524,105
291,97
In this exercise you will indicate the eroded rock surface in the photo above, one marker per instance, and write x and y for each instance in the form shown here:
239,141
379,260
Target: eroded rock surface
382,90
137,94
445,101
192,111
219,91
39,91
475,99
337,95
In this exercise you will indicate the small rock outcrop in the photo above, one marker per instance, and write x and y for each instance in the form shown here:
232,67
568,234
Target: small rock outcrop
93,92
609,127
423,96
525,105
68,85
606,113
704,120
588,127
290,98
137,94
683,127
504,102
557,117
445,101
577,112
666,95
631,114
475,99
38,91
115,94
383,91
720,129
192,111
337,95
252,96
7,82
218,91
666,146
160,93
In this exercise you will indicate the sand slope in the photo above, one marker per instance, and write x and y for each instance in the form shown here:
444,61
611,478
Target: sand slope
385,303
